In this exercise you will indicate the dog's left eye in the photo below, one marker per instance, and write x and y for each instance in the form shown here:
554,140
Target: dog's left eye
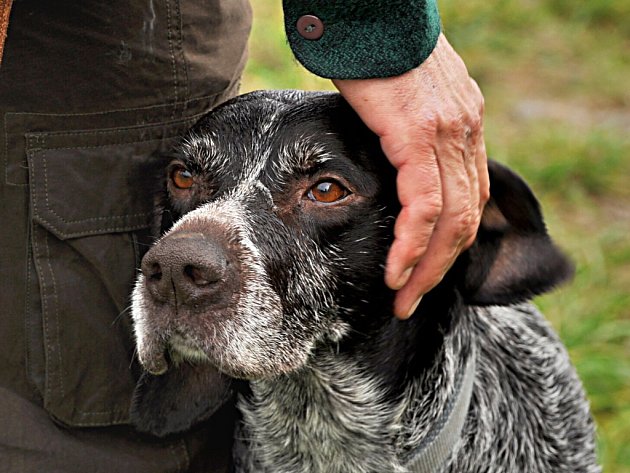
327,192
182,178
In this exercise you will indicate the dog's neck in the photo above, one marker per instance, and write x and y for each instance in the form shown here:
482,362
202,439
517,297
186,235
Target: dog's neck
357,398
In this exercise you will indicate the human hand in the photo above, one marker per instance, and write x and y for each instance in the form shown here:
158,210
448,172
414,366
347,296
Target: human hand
429,121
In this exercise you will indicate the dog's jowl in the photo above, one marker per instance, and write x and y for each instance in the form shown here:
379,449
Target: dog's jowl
277,215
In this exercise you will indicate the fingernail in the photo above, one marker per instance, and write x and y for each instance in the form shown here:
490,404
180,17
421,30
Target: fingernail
414,307
404,277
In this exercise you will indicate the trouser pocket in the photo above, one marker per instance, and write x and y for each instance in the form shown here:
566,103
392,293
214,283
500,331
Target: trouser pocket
91,198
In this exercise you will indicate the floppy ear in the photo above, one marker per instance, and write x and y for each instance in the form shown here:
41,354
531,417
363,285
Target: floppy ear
180,398
513,257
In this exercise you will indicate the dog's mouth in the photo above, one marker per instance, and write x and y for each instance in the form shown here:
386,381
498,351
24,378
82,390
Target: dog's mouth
182,348
176,350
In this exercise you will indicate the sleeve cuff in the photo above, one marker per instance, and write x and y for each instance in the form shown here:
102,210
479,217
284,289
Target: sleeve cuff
359,39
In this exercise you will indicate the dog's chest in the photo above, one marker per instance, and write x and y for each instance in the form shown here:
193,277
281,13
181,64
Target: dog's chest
333,420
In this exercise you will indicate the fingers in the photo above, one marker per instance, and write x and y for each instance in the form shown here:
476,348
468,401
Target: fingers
460,155
420,195
454,226
440,211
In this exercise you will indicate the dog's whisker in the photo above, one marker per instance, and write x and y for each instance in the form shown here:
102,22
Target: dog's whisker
147,245
134,357
122,313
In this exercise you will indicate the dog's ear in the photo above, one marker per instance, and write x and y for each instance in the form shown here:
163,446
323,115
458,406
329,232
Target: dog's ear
180,398
513,257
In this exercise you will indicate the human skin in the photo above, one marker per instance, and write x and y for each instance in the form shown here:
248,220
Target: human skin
430,124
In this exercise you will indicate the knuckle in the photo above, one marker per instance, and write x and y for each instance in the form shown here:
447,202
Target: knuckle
410,251
463,223
431,209
451,122
475,122
463,226
431,123
455,123
415,253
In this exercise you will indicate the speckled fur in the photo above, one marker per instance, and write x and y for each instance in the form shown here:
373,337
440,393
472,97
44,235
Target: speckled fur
528,411
335,383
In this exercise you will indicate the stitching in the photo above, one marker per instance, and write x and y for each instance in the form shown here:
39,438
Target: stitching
175,456
41,138
128,228
57,330
27,309
186,458
107,145
45,312
90,219
6,154
110,131
117,110
182,459
173,63
45,321
113,418
98,413
180,43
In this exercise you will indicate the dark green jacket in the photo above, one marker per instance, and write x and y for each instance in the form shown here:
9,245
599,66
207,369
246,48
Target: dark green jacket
362,39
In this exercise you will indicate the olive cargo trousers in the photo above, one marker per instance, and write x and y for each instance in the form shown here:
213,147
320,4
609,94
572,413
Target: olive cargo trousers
89,92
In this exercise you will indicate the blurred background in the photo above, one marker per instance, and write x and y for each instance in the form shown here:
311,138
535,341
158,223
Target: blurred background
556,78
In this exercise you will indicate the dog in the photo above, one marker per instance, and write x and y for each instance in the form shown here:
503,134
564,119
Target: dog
277,217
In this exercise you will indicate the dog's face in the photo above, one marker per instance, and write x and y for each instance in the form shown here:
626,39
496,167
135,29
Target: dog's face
283,232
284,206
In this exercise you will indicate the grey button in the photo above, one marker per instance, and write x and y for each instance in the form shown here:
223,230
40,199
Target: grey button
310,27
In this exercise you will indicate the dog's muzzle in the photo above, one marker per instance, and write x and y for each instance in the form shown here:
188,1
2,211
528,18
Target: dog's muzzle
205,296
188,277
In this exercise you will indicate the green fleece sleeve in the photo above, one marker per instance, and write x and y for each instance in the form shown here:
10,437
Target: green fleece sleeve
360,39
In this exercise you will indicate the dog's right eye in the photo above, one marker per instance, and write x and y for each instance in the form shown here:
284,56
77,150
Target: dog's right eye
182,178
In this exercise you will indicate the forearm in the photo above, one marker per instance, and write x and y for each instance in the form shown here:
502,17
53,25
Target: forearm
362,39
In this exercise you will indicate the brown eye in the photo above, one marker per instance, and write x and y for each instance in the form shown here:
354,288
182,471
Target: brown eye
182,178
328,192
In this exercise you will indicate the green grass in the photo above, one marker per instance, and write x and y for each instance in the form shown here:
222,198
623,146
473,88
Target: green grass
556,75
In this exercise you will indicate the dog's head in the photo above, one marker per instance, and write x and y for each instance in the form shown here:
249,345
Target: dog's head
283,206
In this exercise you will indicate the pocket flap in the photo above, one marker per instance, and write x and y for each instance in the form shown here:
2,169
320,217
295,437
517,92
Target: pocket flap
93,182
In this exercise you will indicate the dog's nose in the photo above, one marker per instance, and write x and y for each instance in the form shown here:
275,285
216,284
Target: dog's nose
187,268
